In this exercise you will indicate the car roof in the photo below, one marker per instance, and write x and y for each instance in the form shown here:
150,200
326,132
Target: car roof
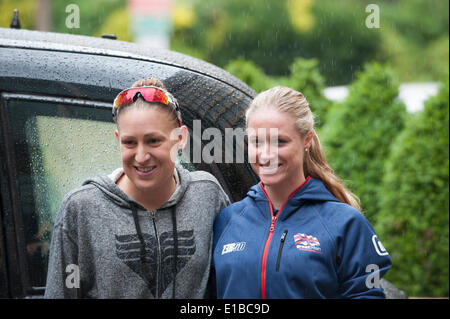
50,41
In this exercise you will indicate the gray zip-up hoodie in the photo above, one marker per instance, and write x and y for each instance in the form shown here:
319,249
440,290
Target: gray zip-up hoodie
106,245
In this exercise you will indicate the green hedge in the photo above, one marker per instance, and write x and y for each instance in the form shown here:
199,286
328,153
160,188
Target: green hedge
262,31
251,74
304,77
358,133
413,220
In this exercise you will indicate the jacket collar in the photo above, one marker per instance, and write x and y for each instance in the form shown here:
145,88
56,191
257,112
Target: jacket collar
311,191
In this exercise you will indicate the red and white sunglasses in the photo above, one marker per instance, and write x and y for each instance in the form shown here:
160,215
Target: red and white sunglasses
149,94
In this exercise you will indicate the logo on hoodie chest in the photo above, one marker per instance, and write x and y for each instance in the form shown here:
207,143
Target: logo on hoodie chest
305,242
128,250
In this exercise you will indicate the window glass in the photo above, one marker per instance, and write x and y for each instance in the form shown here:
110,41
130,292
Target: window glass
64,152
56,147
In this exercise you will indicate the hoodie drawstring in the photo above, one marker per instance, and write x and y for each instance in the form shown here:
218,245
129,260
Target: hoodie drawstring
175,246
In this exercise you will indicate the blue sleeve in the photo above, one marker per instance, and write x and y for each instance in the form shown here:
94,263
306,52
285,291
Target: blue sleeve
362,260
220,223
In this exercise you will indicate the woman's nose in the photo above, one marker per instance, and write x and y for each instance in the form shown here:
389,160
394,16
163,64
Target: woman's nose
142,154
268,152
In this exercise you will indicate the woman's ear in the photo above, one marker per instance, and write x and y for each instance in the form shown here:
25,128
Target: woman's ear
180,136
183,136
309,138
116,133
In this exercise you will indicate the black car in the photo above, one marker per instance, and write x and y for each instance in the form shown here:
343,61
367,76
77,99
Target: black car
56,130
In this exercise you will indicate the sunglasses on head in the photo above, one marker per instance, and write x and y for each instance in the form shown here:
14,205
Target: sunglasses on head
149,94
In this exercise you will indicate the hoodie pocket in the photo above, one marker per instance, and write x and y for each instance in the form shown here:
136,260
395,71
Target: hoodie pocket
280,250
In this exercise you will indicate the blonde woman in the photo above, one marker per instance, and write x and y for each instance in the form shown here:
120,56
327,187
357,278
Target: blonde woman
299,233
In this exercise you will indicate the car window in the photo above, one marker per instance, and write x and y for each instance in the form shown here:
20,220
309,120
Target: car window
57,145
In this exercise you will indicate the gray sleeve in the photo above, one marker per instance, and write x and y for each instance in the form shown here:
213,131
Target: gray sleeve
225,200
63,276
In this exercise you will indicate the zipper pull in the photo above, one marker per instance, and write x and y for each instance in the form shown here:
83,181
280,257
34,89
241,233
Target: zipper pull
272,224
153,213
283,237
280,250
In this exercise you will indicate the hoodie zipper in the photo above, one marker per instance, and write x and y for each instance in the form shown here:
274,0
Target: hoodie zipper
158,254
280,250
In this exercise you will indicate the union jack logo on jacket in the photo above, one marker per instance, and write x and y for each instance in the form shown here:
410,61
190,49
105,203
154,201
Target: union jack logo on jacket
307,243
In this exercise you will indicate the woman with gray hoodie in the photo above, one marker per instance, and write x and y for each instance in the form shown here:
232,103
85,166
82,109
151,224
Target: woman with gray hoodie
145,230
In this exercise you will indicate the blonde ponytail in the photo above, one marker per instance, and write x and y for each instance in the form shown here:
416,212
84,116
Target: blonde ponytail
315,165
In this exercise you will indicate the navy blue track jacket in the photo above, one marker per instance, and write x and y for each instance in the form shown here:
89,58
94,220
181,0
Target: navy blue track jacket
314,247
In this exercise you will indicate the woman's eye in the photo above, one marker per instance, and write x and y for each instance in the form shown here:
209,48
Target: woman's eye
128,142
154,141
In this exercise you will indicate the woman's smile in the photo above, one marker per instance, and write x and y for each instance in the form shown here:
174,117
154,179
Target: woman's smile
144,171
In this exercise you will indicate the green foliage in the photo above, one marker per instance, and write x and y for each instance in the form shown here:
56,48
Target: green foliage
413,220
413,35
93,14
358,133
414,60
418,21
233,28
118,23
437,58
340,40
251,74
263,33
304,77
415,38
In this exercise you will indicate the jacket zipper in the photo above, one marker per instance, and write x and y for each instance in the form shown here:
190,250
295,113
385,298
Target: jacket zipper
158,255
265,253
280,250
269,237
